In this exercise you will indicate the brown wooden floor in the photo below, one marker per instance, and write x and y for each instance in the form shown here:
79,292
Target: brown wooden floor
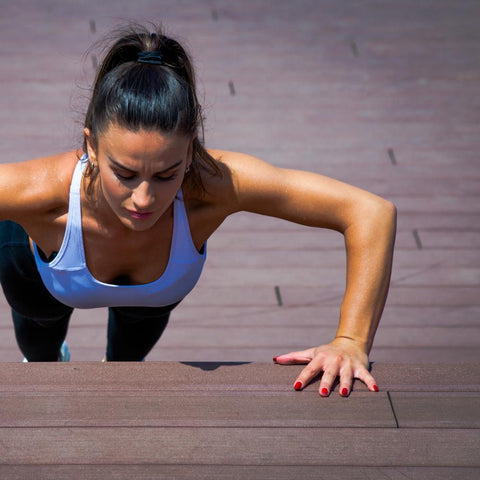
381,94
213,420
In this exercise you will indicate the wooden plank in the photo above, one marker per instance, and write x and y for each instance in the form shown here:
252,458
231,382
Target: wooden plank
386,354
148,376
233,472
454,377
261,276
195,409
451,239
421,355
445,221
287,257
308,276
447,296
300,316
451,296
437,203
437,410
218,376
84,352
241,446
437,275
301,338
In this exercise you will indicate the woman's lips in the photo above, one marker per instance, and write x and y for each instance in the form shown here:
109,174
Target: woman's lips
139,215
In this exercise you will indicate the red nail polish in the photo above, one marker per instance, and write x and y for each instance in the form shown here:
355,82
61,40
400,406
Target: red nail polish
344,392
275,358
375,388
298,385
324,391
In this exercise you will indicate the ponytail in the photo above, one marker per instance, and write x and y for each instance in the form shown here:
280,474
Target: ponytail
146,81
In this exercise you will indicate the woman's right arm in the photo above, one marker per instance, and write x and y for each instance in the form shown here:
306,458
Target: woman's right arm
34,186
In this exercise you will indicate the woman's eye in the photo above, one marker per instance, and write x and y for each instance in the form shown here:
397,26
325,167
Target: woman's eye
166,179
124,177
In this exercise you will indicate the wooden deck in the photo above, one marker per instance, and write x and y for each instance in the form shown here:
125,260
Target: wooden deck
235,421
381,94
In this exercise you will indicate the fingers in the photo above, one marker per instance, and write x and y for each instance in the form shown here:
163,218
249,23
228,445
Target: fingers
365,376
331,371
295,358
346,376
346,382
337,367
327,381
309,373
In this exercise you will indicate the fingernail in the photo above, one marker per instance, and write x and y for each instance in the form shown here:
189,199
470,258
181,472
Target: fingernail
324,392
375,388
298,385
344,392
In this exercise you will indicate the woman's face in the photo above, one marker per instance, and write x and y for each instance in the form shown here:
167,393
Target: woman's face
139,172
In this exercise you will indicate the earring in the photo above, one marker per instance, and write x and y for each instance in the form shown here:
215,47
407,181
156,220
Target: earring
187,169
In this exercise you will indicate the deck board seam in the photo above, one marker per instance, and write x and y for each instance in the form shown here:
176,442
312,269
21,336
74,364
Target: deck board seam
393,409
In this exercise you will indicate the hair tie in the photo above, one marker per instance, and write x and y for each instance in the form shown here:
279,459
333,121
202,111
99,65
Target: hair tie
150,57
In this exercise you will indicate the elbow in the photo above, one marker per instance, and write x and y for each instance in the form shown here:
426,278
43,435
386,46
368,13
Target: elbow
375,224
374,215
391,211
387,215
378,214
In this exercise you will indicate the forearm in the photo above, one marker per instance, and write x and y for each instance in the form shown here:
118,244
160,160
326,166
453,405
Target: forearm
369,246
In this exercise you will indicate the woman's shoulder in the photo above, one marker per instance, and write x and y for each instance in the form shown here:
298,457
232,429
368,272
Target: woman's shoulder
35,186
233,167
236,173
214,182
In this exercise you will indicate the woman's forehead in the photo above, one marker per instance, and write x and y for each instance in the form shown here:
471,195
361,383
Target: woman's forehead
140,144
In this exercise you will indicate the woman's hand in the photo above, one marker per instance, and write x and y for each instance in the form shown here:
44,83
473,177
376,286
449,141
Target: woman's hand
340,358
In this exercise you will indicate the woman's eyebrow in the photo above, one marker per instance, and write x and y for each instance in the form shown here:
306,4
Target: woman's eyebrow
119,165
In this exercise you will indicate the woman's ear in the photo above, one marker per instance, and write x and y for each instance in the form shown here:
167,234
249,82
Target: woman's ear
92,155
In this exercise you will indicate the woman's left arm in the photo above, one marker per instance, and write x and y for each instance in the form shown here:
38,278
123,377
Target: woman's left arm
368,224
369,241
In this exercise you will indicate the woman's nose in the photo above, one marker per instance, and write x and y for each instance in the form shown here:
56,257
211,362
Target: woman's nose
143,196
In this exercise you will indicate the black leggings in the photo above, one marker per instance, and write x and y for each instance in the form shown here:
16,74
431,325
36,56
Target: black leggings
41,321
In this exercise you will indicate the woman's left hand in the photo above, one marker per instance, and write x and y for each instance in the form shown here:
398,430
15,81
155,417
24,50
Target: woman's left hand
340,358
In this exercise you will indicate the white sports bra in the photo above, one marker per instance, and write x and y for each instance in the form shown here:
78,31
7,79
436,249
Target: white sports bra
68,279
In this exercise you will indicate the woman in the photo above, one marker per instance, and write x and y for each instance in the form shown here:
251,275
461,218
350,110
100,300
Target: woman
124,223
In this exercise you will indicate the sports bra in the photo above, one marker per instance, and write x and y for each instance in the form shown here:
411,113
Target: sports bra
68,279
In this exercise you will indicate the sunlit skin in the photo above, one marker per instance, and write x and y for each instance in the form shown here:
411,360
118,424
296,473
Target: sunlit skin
139,173
127,230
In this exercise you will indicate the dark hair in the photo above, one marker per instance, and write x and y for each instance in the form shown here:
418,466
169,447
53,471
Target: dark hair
152,96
